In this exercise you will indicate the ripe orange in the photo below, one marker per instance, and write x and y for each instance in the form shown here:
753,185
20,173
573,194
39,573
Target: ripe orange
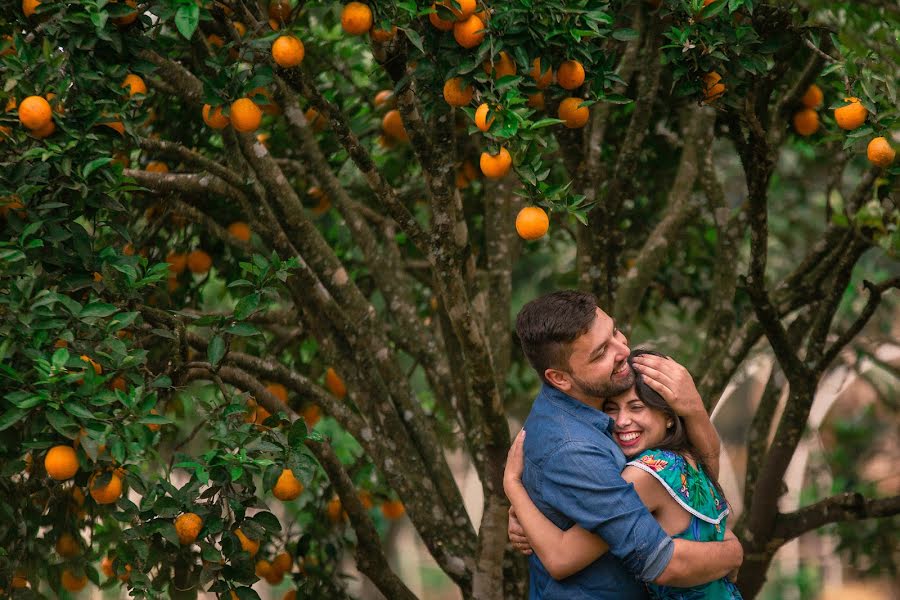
188,526
247,545
97,368
356,18
240,230
469,32
72,582
283,562
365,498
384,35
713,88
177,262
35,112
245,115
502,66
45,131
393,509
806,122
156,166
438,22
199,262
335,510
542,79
570,75
67,546
215,40
813,97
316,121
455,93
532,223
279,391
312,414
536,101
880,153
118,383
392,124
497,165
383,98
106,565
850,116
240,28
288,51
465,10
29,6
214,117
573,114
334,383
134,84
127,19
106,494
61,462
115,126
287,487
481,114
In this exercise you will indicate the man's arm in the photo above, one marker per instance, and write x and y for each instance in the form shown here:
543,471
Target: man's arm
695,563
675,384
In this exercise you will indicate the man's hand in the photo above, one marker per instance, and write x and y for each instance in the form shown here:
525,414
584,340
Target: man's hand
672,382
517,534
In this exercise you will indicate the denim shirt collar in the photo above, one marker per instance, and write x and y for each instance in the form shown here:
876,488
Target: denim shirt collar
576,408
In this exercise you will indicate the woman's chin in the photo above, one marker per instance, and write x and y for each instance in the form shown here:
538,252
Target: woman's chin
630,452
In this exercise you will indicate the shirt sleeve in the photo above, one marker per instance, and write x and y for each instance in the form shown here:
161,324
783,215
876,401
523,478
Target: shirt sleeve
588,488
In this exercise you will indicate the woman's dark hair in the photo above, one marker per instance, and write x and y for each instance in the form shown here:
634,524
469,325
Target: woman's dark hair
676,439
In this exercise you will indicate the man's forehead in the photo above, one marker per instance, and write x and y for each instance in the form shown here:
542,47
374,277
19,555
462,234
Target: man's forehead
599,330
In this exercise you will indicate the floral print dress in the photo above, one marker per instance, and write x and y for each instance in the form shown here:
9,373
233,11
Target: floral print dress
696,494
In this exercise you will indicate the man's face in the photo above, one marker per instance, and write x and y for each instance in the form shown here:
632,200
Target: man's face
598,366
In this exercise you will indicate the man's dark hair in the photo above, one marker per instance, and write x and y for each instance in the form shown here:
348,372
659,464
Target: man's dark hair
548,325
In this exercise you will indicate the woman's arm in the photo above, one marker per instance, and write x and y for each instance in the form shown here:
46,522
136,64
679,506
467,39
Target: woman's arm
563,553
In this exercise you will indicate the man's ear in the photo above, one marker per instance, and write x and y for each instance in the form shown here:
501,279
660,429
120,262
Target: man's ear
558,379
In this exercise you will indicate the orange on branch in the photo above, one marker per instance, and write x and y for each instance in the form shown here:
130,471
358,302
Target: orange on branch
532,223
116,126
71,582
61,462
119,384
813,97
288,51
105,494
240,230
283,562
35,112
393,509
199,262
383,98
134,84
287,487
127,19
465,10
806,122
188,526
335,510
880,153
106,565
356,18
457,92
469,32
542,79
438,22
713,88
247,545
67,546
156,166
245,115
316,121
177,263
502,66
45,131
215,40
29,6
495,166
481,117
536,101
574,115
851,115
334,383
214,117
311,414
383,35
279,391
392,124
570,75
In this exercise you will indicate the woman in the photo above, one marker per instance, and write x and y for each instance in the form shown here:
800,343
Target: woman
674,481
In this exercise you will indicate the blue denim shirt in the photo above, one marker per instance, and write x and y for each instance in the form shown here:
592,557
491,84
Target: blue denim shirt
573,473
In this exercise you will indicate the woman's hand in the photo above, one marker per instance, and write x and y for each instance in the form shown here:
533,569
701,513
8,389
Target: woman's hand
515,463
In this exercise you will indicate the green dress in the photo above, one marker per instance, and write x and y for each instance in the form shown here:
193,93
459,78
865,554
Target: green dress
694,491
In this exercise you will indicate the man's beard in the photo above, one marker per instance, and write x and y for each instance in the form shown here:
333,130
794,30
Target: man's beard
607,389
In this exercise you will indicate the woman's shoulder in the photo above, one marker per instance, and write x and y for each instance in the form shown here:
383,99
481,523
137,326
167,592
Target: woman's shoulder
658,461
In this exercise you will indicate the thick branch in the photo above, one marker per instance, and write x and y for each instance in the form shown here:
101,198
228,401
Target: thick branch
836,509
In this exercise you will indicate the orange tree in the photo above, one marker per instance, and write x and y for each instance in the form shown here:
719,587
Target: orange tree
259,262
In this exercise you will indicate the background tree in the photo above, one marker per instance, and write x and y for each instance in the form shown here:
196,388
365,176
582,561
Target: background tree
225,221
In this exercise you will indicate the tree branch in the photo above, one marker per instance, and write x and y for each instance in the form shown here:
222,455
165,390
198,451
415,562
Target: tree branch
848,506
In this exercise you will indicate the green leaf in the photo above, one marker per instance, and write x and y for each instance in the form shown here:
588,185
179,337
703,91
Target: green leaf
242,329
216,350
625,35
246,306
268,521
297,434
186,19
415,39
75,409
97,309
11,416
94,165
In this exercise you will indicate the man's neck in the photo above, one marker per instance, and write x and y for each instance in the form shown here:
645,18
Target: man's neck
592,401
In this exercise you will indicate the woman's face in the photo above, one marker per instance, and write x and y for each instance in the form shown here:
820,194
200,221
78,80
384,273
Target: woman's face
638,427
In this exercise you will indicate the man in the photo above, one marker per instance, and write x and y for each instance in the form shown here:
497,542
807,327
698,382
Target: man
573,465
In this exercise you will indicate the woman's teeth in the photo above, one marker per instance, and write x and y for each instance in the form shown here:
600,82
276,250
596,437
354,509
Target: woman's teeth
627,437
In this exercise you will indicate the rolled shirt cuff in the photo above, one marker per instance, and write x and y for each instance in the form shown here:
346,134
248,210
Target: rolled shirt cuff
658,560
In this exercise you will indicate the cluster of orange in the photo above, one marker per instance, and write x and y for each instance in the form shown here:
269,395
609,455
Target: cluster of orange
197,262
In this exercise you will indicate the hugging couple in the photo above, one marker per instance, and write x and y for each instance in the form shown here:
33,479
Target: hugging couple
612,481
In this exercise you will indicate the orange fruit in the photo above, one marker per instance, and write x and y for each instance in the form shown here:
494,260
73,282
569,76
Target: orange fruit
481,115
245,115
334,383
72,582
118,383
29,6
287,487
268,106
283,562
502,66
188,526
438,22
384,35
356,18
713,88
35,112
58,108
247,545
542,79
850,116
573,114
19,581
240,28
115,126
240,230
67,546
126,19
214,117
469,32
279,391
177,263
532,223
880,153
134,84
312,414
215,40
465,10
45,131
392,124
456,93
365,498
155,166
813,97
393,509
383,98
97,368
806,122
106,565
316,121
60,344
497,165
536,101
61,462
288,51
335,510
199,262
570,75
106,494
